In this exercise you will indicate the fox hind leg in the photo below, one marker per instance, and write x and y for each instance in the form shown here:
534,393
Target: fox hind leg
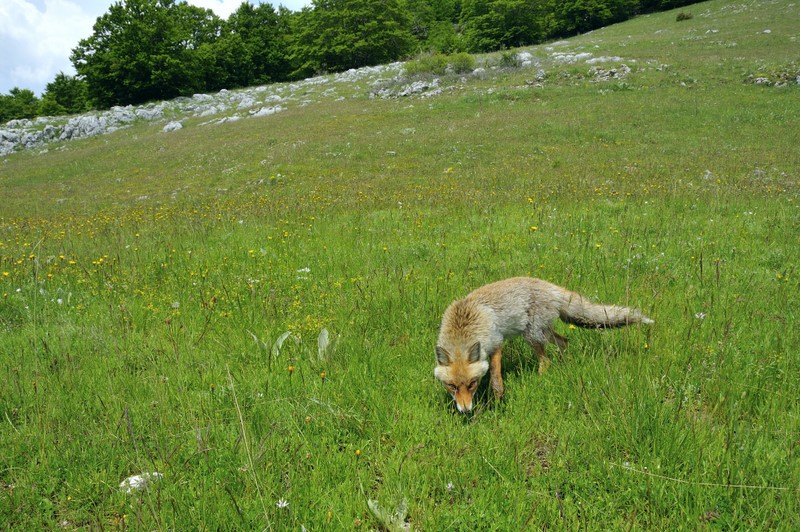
536,338
494,373
544,362
559,340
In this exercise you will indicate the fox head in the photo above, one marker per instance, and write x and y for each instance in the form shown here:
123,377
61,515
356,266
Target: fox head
460,372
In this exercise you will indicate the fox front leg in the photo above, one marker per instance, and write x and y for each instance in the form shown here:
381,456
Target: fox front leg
495,375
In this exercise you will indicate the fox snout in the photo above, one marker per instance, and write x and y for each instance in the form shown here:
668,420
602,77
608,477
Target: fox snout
463,399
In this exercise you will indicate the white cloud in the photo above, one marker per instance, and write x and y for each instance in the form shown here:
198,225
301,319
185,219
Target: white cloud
222,8
37,40
37,36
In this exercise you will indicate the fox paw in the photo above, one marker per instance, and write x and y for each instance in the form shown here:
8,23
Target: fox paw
499,391
544,363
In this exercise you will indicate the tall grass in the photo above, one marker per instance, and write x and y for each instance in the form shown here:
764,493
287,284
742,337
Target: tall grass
147,278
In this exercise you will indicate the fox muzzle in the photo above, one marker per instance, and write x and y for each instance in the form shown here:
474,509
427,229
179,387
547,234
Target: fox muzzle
463,402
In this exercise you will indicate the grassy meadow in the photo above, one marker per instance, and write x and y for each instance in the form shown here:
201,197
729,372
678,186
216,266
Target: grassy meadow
147,281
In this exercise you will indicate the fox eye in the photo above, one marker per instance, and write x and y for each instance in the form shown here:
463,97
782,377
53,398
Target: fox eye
472,385
452,388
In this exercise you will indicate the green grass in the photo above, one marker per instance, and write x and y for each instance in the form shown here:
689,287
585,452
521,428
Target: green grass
145,277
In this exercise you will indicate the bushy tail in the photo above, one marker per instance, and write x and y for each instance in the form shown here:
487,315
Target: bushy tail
578,310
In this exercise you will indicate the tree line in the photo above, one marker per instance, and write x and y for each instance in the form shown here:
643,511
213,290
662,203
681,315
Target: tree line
145,50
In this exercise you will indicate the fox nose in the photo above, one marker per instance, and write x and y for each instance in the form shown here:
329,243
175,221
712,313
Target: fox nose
465,408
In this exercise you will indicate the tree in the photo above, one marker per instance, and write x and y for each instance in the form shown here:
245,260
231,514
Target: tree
433,23
144,50
335,35
18,103
647,6
64,95
263,35
495,24
226,64
578,16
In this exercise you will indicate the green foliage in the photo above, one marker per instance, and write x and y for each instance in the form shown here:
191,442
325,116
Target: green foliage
579,16
263,33
646,6
683,15
340,34
144,50
18,103
461,63
250,50
64,95
440,64
444,38
426,64
493,24
435,24
510,59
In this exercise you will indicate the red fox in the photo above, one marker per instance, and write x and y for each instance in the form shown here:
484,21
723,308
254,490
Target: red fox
473,329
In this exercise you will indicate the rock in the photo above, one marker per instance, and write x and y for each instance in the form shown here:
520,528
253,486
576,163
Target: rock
50,132
266,111
7,135
83,126
139,482
19,123
172,126
149,114
246,103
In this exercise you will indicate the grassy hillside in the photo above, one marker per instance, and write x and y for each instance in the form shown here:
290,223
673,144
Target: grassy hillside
146,279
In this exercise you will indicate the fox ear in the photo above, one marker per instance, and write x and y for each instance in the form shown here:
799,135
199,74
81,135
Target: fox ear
442,356
474,353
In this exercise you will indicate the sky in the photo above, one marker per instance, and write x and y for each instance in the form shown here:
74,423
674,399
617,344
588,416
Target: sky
37,36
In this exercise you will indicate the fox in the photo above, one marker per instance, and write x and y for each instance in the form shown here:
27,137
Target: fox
473,330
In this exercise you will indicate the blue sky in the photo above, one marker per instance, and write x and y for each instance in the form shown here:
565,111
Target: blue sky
37,36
